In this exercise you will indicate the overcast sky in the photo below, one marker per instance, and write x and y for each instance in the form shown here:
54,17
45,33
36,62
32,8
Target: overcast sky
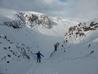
66,8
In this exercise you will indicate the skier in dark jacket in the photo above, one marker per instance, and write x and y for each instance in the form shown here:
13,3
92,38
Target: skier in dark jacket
39,56
56,46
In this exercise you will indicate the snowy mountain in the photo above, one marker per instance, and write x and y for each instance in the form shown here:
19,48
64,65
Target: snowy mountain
23,33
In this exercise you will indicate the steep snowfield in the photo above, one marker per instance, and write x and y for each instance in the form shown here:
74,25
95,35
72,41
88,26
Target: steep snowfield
23,33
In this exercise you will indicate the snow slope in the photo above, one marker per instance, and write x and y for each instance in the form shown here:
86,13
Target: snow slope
23,33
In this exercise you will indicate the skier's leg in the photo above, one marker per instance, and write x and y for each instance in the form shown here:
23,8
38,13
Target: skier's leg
56,48
39,60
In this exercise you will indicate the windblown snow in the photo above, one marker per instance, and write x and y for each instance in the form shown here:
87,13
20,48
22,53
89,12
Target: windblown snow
23,33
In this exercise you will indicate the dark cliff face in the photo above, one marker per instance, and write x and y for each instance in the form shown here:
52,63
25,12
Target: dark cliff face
22,18
43,20
80,30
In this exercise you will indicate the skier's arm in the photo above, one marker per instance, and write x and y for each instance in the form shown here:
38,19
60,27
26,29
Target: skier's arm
42,55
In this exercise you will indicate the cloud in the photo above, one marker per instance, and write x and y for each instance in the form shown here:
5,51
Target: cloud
85,8
48,1
67,8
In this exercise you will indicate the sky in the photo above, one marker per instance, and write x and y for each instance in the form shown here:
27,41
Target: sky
65,8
